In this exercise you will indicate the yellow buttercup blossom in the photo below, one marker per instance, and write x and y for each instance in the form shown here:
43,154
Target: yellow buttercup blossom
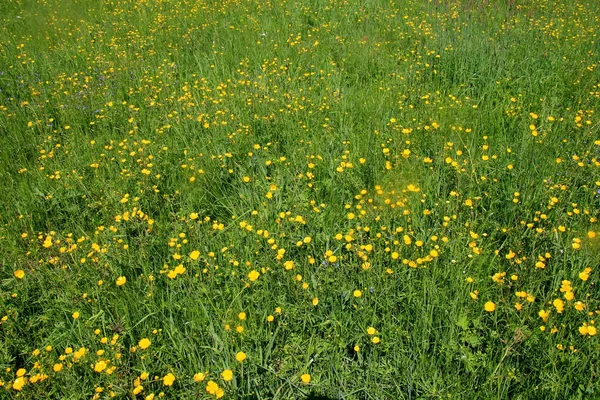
168,379
227,375
490,306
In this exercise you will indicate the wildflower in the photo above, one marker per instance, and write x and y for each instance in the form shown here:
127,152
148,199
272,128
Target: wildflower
253,275
288,265
121,281
305,378
569,296
240,356
490,306
227,375
144,343
585,274
100,366
559,305
214,389
199,377
19,383
19,274
168,379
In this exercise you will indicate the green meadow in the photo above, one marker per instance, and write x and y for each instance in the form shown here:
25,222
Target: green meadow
287,199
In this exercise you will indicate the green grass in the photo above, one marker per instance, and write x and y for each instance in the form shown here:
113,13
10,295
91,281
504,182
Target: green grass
413,151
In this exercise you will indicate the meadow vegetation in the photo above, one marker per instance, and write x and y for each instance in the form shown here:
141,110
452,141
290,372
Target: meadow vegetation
279,199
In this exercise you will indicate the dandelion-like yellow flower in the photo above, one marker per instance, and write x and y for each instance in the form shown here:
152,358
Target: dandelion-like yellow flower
490,306
253,275
227,375
240,356
199,377
144,343
168,379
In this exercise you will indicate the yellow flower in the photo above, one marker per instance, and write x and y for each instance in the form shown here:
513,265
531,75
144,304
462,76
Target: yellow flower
194,255
199,377
584,275
57,367
375,340
357,293
242,316
288,265
121,281
559,305
144,343
75,315
240,356
19,274
569,296
305,378
168,379
214,389
19,383
100,366
490,306
180,269
227,375
253,275
371,330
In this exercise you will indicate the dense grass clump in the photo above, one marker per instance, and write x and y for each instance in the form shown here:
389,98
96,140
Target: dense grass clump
286,199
